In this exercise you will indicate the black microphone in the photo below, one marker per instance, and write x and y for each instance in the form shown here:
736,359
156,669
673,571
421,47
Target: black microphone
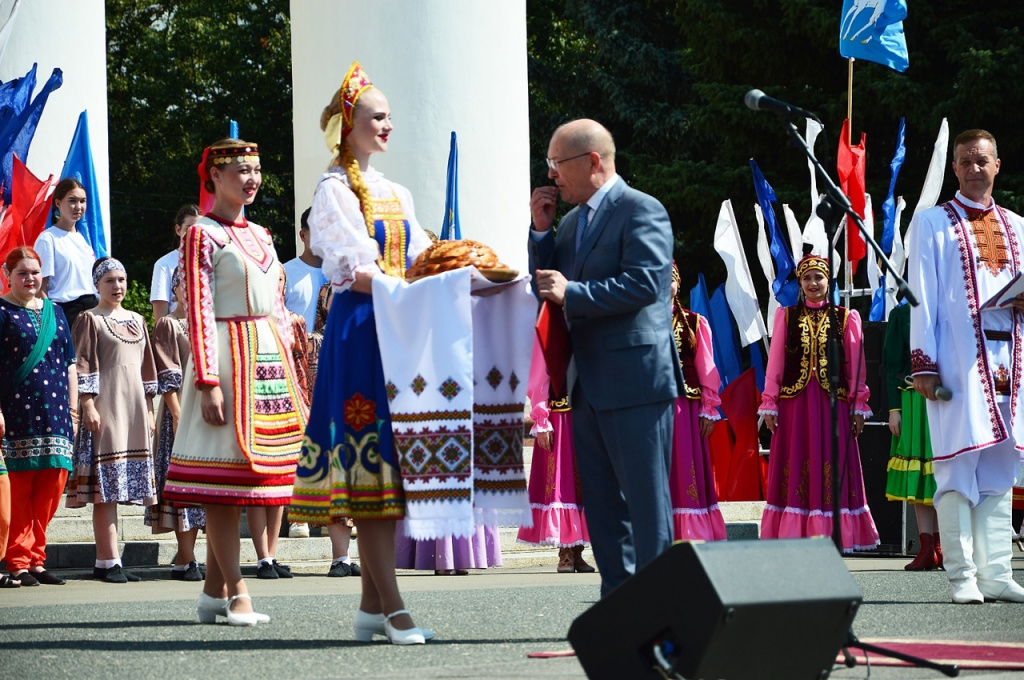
756,100
943,393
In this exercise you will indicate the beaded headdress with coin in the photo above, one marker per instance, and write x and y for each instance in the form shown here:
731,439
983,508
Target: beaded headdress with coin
812,262
223,153
355,83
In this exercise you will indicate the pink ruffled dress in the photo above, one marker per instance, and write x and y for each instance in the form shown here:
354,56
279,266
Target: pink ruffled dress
799,494
695,512
554,488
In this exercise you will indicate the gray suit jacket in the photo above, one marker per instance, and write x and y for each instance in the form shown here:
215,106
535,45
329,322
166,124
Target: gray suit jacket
617,301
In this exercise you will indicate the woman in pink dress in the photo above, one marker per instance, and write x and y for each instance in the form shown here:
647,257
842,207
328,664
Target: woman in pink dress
795,406
695,512
554,488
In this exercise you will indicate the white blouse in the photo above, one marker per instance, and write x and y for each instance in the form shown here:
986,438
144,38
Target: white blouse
338,231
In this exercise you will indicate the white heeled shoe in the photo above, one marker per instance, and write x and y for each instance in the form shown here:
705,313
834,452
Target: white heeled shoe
409,636
246,618
367,625
209,608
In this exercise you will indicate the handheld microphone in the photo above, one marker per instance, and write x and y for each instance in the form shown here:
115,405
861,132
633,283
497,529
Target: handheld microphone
943,393
756,100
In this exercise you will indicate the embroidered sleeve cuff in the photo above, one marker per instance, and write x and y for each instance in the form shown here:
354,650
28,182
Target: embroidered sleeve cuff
922,363
150,386
89,383
211,380
169,381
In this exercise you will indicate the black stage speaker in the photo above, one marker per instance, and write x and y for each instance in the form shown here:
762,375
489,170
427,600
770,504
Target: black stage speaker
727,610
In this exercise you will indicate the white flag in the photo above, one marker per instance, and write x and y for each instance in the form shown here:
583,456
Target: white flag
739,285
813,128
764,256
796,240
898,259
874,273
936,171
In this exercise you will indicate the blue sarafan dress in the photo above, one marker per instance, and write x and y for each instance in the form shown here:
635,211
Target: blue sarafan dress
348,466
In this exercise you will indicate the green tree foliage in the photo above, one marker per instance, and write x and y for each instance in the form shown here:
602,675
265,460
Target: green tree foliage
177,73
668,78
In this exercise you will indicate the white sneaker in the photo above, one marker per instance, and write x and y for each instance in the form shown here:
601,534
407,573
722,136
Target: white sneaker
298,530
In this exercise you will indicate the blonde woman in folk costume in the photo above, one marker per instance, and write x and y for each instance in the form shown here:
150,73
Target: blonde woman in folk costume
795,406
242,418
363,226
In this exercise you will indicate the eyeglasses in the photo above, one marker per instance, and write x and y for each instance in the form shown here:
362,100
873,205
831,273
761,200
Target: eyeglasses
553,162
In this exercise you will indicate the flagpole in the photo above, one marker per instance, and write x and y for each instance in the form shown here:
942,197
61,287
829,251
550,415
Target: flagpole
849,100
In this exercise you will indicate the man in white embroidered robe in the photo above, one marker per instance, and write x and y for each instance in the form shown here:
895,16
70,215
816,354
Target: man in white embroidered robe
961,254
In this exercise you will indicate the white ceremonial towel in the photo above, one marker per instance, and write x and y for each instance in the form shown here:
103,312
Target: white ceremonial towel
429,339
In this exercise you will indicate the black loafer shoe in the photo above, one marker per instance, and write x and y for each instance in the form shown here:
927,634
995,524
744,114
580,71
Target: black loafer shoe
114,574
356,571
340,569
27,578
283,570
47,578
191,573
266,570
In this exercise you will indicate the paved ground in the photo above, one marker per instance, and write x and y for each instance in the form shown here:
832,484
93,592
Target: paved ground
486,625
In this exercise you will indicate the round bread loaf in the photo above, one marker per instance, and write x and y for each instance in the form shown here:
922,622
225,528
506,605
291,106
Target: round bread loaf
445,256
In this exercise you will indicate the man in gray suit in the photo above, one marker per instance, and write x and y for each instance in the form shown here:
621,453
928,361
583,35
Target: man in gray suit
609,265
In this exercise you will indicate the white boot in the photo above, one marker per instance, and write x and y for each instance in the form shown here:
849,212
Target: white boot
954,514
993,549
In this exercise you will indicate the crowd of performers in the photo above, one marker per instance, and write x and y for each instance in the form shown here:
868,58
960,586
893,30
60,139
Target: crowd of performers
265,409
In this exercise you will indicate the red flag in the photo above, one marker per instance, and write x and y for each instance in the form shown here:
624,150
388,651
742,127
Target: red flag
30,204
740,401
553,334
720,445
850,163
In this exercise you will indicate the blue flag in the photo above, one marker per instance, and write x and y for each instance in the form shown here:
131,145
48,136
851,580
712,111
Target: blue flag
450,227
784,287
725,338
78,164
19,119
873,30
757,363
700,303
889,205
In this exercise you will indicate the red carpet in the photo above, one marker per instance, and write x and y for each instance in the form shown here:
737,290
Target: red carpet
977,655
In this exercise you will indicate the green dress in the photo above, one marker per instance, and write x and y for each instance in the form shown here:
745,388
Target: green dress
910,475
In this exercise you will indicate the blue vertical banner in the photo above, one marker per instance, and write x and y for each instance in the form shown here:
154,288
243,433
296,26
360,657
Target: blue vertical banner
451,228
873,30
78,164
784,287
725,338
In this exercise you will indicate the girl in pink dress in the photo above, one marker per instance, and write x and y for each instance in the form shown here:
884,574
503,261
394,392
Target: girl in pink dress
695,512
554,488
795,406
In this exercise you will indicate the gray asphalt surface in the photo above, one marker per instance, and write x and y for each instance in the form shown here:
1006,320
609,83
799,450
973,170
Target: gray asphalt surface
486,625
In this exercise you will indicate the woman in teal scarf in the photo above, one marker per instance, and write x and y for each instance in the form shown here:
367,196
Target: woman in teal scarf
38,412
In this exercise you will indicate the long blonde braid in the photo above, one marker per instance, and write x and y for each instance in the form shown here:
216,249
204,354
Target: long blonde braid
355,179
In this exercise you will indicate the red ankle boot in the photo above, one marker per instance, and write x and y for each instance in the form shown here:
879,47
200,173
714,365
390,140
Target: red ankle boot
926,559
938,550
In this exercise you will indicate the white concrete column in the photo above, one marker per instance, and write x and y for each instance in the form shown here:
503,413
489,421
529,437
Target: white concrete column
70,35
444,65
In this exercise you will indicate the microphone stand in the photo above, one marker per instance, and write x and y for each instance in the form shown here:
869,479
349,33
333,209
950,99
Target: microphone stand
832,208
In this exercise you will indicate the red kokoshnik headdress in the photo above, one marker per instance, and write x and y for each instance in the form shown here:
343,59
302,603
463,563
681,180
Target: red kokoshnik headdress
355,83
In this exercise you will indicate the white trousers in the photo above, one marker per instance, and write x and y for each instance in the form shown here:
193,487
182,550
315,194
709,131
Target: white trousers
976,474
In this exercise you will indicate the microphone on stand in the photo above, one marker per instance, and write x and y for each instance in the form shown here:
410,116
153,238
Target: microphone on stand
756,100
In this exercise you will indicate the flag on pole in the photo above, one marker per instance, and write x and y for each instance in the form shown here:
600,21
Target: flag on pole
796,238
742,480
936,171
451,228
873,30
728,360
785,287
889,205
814,128
78,164
850,163
764,256
898,259
25,217
739,284
19,118
8,28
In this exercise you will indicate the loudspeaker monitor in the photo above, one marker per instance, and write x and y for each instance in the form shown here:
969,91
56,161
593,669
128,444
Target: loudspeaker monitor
730,610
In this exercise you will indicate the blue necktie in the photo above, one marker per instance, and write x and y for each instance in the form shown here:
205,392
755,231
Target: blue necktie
581,223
